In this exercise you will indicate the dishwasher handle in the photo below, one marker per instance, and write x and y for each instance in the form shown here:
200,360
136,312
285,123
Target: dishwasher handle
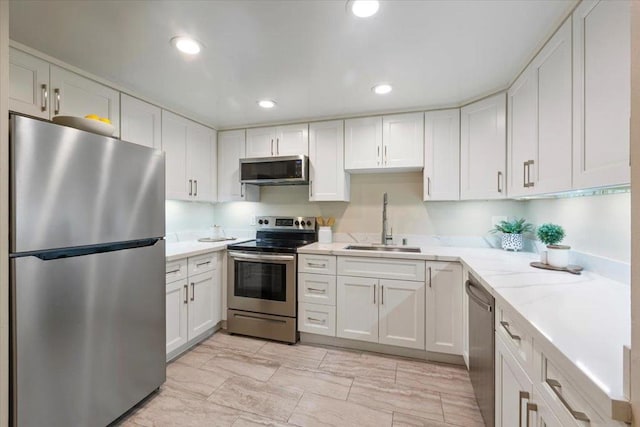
476,298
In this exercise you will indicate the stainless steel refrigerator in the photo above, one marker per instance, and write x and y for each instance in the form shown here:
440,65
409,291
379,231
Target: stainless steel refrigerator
87,275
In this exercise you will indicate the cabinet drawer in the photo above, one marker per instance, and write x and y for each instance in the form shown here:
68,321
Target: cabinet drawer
382,268
319,264
571,408
517,340
176,270
200,264
317,319
317,288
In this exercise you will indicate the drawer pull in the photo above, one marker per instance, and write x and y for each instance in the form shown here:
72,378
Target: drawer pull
311,264
200,264
311,319
557,388
322,291
173,271
505,325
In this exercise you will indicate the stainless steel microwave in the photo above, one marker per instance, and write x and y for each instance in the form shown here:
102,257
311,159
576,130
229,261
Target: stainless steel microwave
283,170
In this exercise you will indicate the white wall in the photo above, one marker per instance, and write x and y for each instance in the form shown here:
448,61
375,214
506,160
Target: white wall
599,225
186,216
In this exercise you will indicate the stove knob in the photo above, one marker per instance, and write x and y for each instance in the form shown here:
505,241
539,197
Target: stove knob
297,222
309,223
266,222
260,221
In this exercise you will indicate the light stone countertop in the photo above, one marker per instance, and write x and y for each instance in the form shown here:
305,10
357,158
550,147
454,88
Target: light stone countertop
584,320
178,250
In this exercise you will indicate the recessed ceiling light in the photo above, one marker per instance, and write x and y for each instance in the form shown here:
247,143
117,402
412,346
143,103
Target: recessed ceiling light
186,45
382,89
363,8
267,103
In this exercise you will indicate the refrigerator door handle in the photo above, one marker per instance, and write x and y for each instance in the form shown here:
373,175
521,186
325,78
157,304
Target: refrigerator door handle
53,254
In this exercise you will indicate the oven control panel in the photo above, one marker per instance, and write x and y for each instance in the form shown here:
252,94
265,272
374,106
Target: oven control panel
286,222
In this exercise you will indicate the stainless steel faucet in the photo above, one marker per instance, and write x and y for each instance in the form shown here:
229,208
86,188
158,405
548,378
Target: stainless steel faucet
386,238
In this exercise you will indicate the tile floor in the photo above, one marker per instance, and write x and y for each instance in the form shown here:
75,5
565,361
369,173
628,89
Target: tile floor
239,381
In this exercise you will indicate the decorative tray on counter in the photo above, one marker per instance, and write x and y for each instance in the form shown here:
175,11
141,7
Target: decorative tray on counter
573,269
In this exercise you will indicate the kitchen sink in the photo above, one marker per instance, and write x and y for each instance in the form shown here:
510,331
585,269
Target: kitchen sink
215,239
410,249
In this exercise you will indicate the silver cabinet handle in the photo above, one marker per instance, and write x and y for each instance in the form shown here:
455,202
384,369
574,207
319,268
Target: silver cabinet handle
522,395
505,325
524,174
385,155
191,187
186,294
272,147
193,291
375,289
428,186
45,97
311,319
312,264
195,185
529,182
203,263
378,156
310,188
499,182
57,93
322,291
430,278
531,407
382,294
278,146
173,271
241,194
557,388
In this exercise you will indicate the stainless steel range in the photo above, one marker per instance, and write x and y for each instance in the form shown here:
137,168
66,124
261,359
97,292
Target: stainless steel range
262,283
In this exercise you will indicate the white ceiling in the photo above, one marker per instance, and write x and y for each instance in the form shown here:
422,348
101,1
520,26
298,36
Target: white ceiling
312,57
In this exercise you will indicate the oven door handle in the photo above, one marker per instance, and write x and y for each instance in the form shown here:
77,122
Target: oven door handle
252,257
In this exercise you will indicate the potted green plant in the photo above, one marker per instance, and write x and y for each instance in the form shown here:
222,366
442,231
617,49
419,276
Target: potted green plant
512,233
557,255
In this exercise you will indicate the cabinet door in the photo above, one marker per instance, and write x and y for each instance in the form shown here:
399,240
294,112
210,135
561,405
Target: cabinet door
403,140
483,149
444,307
28,84
513,389
363,143
401,313
522,139
552,170
217,294
176,302
357,308
201,303
465,320
442,155
261,142
292,140
74,95
140,122
200,158
327,178
174,144
601,87
231,146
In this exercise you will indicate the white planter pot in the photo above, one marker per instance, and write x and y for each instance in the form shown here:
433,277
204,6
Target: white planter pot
558,255
512,242
324,235
543,257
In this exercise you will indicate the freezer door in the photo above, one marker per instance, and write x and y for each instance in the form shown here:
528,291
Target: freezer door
74,188
89,335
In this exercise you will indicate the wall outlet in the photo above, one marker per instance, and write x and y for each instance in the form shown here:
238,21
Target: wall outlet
252,220
495,220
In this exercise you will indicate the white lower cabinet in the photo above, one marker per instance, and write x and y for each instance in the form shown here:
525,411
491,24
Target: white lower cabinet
381,310
513,390
193,301
444,307
317,294
317,319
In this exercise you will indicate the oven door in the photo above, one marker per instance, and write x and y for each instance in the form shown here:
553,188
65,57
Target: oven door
262,283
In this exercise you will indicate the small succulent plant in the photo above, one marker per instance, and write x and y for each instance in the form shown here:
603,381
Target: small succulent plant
515,226
550,234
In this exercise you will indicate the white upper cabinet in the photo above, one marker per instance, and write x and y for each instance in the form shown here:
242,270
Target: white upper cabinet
442,155
601,88
74,95
483,149
231,148
28,84
140,122
363,143
391,143
287,140
327,178
190,151
539,131
403,141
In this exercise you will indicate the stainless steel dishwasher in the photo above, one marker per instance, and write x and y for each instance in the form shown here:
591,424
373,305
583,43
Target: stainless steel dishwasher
482,348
